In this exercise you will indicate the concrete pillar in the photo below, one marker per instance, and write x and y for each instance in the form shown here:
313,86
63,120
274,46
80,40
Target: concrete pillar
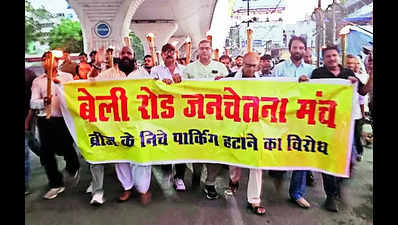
162,32
105,23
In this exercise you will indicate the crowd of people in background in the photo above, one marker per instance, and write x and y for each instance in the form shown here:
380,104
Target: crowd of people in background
101,65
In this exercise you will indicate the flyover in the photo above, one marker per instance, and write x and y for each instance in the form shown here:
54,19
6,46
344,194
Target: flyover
109,22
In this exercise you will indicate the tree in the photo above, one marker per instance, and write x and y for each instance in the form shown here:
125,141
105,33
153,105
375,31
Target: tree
33,20
137,46
67,35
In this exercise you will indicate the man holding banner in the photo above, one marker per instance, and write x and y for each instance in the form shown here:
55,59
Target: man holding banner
171,72
248,70
54,135
331,69
205,67
128,174
295,67
268,124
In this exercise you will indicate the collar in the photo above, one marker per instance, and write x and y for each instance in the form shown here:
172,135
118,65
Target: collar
239,74
178,67
291,62
339,65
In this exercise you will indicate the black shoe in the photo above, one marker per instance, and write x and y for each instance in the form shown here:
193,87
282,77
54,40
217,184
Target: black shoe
310,180
195,182
211,192
330,204
233,186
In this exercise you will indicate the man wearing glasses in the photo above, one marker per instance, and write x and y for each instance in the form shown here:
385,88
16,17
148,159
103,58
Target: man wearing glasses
205,67
170,72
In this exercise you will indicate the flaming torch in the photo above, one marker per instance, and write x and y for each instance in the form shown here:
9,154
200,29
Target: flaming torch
151,43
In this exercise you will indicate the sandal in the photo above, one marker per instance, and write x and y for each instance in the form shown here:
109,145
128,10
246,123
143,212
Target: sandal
146,198
125,196
256,209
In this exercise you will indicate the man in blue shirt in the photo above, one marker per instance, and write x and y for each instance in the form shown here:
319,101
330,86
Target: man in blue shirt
296,68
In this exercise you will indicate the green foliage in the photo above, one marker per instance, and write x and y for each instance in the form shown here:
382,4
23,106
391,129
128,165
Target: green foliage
67,35
137,46
33,19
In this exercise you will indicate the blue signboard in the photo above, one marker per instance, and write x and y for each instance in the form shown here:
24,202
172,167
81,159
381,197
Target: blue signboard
257,43
102,29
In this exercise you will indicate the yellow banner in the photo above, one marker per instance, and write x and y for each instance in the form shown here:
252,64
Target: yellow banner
249,123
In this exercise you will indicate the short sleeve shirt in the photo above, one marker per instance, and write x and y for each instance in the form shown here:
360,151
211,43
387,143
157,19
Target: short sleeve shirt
197,70
139,73
111,74
322,72
162,72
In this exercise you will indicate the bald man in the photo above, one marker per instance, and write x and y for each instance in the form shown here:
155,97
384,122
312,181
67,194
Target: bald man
248,70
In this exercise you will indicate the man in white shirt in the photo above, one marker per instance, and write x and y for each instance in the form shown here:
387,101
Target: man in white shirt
352,62
148,63
205,67
55,138
170,72
126,67
238,64
248,70
130,175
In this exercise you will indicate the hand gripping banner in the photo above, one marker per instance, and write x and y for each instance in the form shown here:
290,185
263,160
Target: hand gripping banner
253,123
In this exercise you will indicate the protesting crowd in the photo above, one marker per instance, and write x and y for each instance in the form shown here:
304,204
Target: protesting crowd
56,140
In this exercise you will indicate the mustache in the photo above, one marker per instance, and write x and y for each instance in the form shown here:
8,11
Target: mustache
127,65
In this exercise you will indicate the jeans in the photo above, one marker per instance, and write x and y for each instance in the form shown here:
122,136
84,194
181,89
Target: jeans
27,162
298,184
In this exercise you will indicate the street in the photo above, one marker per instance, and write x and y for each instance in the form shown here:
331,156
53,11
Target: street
191,207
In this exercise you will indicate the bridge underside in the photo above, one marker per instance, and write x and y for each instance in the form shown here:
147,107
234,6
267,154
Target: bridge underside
108,22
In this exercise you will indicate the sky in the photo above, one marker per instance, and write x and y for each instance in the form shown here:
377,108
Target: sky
295,9
52,6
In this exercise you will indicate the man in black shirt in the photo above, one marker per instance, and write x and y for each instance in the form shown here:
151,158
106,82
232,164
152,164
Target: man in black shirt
332,69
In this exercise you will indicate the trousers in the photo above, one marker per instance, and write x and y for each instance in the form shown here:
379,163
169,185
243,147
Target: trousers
97,178
180,170
132,175
254,184
56,139
212,171
27,162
